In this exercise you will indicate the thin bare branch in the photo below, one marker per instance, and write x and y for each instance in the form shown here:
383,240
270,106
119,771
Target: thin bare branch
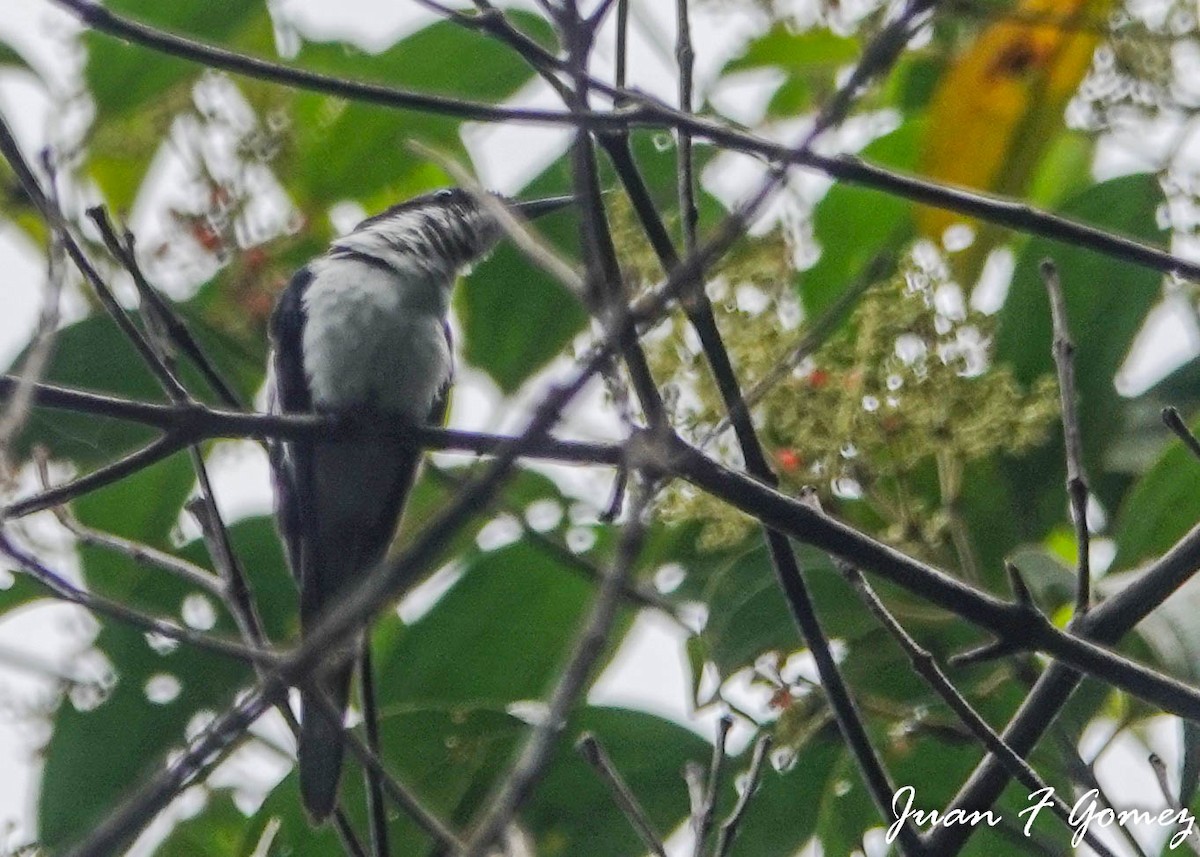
925,666
156,307
59,587
1173,421
41,347
593,752
702,816
733,822
1077,486
1011,622
589,645
1164,785
138,552
54,217
685,58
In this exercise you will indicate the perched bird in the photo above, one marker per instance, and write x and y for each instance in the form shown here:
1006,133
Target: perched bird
362,329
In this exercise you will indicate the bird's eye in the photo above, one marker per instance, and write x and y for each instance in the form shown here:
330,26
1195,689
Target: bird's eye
444,193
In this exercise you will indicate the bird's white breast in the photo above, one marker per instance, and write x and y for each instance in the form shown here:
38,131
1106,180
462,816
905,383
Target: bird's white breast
374,338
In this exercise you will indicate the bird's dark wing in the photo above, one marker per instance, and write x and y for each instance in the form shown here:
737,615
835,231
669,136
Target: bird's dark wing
290,461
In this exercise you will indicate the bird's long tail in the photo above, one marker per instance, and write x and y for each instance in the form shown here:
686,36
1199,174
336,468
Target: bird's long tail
320,749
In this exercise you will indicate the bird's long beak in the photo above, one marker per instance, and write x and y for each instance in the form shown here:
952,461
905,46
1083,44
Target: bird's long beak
534,208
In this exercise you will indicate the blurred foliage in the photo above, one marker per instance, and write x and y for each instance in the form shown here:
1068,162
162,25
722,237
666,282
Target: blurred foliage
926,415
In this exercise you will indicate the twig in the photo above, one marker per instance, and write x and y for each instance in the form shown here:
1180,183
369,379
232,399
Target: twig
54,217
594,754
685,58
588,646
702,820
376,811
1084,776
196,422
1160,774
375,590
605,293
220,550
1077,486
41,348
535,249
61,588
1106,623
157,308
429,823
1173,421
637,593
138,552
649,112
223,734
135,462
925,666
878,56
733,822
193,423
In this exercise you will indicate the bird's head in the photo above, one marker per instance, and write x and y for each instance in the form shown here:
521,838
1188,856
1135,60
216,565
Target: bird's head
438,233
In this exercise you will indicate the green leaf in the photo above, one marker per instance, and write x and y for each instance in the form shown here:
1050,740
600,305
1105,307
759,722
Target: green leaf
347,150
94,758
138,92
1107,302
216,831
1160,507
123,77
573,811
854,225
448,756
94,355
496,637
515,316
813,50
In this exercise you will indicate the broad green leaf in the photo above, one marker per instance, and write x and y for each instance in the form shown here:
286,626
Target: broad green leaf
122,77
573,811
854,225
1160,507
496,637
516,317
749,616
91,354
257,546
808,51
447,756
354,151
216,831
95,758
17,589
1107,302
138,91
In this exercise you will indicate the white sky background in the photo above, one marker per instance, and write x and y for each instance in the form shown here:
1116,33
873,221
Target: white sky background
649,672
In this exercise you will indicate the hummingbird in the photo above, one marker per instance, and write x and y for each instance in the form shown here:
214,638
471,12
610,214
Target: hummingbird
362,330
